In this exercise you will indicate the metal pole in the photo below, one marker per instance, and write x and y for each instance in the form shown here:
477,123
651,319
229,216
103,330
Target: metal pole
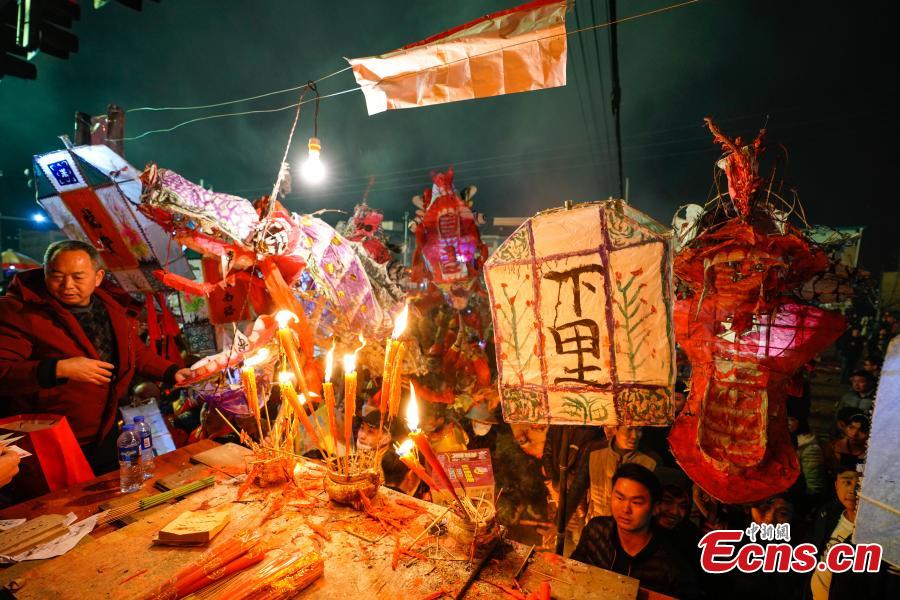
563,491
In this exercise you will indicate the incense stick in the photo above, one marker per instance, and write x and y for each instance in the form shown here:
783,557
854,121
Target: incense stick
117,513
432,524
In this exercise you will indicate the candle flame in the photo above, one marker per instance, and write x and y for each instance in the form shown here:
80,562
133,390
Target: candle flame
283,317
285,377
400,322
412,410
349,363
329,364
404,448
301,398
362,344
297,470
258,358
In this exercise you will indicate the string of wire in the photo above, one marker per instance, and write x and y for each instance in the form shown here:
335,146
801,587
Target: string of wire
359,88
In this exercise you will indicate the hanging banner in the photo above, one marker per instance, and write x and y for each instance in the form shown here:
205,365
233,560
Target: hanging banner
581,302
516,50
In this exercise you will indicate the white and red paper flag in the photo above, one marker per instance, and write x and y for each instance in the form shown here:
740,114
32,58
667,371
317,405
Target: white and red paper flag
516,50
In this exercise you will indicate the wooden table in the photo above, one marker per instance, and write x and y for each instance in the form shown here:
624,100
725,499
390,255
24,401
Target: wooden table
123,563
85,498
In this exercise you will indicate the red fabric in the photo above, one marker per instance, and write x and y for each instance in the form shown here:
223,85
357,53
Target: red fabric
153,334
57,451
170,331
34,327
734,426
227,304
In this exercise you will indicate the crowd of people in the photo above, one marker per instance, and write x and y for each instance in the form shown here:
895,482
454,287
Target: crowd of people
629,508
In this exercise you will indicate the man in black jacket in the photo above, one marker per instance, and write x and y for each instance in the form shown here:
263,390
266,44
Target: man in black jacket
628,543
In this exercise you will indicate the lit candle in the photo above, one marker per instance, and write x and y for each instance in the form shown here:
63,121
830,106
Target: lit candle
248,379
407,453
349,399
421,441
286,338
390,353
328,392
290,396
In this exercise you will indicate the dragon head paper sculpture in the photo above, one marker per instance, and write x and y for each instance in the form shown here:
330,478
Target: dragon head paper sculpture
745,330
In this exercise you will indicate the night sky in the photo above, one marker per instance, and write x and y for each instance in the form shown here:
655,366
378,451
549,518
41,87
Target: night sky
814,73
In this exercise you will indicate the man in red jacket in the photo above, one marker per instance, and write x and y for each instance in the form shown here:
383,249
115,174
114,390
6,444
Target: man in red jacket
68,347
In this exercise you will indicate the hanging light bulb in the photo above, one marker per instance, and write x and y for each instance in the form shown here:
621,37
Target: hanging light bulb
313,170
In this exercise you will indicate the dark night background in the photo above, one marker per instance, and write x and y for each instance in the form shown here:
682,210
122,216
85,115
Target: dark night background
818,71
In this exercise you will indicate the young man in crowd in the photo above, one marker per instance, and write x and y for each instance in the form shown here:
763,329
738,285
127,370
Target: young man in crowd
850,450
628,542
602,464
872,364
834,524
862,392
673,510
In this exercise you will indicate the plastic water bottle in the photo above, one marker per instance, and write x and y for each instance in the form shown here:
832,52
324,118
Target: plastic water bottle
142,429
129,449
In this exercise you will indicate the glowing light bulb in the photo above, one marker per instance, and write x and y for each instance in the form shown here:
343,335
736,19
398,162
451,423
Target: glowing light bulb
313,170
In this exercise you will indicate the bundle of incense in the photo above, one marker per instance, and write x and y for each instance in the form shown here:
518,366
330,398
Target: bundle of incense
248,380
396,383
149,502
185,580
252,557
282,576
289,395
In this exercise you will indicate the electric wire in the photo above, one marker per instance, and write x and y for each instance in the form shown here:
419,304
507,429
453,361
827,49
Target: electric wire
594,136
602,82
358,88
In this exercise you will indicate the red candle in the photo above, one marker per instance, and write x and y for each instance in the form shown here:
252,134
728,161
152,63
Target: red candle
421,441
290,396
349,400
286,338
408,457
